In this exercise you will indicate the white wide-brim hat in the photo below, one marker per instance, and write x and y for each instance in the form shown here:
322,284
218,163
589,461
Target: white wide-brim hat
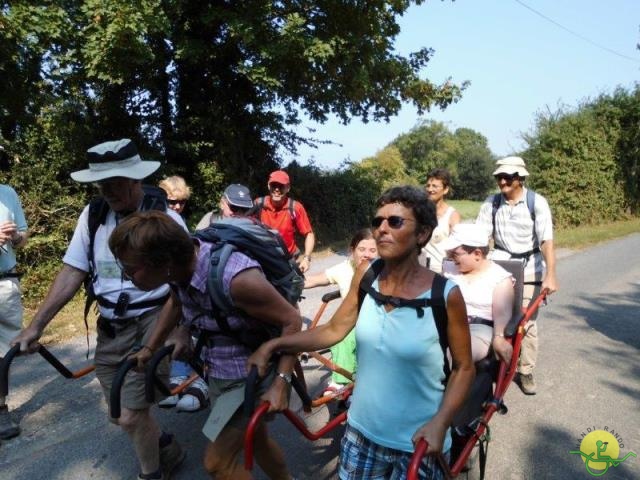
467,234
118,158
510,166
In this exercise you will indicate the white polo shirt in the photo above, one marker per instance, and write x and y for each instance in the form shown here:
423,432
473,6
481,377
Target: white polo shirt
110,282
515,229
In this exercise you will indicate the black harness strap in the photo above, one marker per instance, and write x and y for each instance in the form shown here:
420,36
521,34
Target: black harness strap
103,302
438,306
436,303
518,256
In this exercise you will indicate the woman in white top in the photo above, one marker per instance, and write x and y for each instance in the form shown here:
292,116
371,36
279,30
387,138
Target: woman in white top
486,287
362,248
437,188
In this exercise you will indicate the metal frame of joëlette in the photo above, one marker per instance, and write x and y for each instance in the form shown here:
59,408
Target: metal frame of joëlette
14,351
505,376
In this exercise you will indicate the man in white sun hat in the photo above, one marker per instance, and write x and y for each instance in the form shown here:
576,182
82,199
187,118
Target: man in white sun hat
127,314
520,222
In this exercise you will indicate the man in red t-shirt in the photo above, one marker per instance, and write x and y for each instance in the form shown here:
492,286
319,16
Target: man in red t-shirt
286,215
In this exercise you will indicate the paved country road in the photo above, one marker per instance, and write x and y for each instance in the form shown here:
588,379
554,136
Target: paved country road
588,378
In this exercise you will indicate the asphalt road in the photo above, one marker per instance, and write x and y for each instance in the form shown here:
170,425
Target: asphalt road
588,377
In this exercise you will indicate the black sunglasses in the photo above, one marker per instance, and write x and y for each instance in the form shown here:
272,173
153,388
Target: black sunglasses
176,202
506,177
394,221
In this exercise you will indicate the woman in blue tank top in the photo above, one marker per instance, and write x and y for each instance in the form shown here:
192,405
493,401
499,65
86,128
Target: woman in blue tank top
399,397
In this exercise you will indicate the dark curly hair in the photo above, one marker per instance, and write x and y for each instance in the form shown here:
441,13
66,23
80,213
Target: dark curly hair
417,200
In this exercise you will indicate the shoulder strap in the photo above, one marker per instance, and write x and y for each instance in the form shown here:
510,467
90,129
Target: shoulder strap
259,206
495,204
437,304
217,262
368,278
98,210
439,309
292,211
531,204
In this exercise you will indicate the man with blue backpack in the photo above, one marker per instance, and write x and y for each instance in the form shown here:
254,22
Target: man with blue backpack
234,286
520,223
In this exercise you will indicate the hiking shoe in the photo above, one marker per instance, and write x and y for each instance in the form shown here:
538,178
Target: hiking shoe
8,429
172,400
171,457
195,397
527,383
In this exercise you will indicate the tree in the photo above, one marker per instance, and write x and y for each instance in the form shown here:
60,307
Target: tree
473,161
224,82
465,153
214,88
385,169
424,148
572,159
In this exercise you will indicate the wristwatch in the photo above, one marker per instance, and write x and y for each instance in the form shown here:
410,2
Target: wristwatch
285,376
307,257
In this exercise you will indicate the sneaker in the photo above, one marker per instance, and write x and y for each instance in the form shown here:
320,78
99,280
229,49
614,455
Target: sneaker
527,383
8,429
194,398
171,457
331,388
172,400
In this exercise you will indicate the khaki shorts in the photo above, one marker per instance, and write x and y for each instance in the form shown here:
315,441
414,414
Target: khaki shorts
10,312
110,352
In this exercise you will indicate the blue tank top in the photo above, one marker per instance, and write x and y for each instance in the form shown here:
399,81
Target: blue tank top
400,372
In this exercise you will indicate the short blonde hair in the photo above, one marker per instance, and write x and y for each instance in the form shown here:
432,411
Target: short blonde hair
176,187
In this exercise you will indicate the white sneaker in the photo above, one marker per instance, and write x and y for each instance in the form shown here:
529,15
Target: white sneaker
331,388
172,400
195,397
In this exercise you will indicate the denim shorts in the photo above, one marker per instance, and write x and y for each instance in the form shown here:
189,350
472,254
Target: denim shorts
360,458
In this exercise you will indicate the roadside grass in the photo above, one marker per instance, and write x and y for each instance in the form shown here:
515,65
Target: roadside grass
468,209
69,321
586,235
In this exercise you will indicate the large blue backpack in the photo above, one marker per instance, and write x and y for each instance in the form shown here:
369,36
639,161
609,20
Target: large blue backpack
264,245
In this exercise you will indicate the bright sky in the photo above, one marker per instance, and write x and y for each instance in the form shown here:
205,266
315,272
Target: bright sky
518,63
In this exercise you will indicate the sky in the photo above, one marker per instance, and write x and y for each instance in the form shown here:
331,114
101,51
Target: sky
518,63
